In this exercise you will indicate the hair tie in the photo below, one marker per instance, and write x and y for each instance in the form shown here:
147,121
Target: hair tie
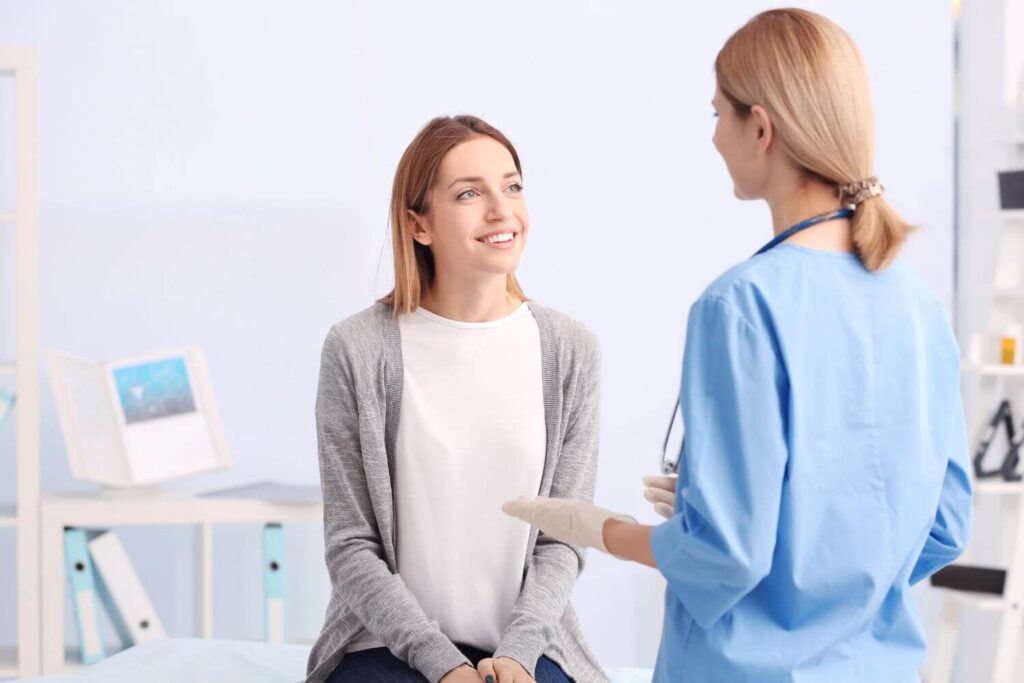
855,193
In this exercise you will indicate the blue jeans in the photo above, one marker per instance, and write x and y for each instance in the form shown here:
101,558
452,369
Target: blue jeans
378,665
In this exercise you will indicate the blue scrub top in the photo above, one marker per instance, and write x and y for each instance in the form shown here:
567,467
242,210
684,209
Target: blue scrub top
825,471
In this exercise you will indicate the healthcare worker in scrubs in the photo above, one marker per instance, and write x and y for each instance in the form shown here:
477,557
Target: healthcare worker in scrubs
824,469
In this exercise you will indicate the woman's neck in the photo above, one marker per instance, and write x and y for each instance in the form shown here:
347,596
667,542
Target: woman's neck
471,301
801,201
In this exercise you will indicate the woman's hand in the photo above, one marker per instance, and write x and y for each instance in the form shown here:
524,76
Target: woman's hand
661,491
462,674
571,521
503,670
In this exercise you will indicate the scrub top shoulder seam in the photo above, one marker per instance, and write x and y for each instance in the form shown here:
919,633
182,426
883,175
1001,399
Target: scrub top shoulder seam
719,299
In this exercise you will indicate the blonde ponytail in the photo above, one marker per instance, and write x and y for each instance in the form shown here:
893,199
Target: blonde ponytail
878,231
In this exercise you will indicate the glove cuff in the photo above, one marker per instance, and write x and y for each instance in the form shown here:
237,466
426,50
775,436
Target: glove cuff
599,544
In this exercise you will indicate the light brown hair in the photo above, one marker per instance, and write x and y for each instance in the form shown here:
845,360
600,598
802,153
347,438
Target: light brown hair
414,179
808,74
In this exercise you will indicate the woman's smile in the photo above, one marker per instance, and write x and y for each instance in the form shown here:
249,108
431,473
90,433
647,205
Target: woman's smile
500,239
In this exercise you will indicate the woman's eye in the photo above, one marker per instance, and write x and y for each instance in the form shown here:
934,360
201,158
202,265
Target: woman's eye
515,187
467,194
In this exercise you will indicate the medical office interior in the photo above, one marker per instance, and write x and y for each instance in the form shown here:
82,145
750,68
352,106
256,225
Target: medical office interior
192,193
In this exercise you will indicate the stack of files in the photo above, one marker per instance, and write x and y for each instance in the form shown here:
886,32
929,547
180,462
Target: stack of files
101,574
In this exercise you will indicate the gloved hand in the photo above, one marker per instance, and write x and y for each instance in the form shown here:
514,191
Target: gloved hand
572,521
662,492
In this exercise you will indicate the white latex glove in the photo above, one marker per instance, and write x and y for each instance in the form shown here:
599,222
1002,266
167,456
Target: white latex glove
572,521
662,492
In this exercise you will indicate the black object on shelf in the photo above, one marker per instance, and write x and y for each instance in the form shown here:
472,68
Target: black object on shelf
964,577
1008,467
1011,190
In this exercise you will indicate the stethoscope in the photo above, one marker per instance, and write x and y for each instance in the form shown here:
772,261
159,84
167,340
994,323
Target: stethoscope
670,466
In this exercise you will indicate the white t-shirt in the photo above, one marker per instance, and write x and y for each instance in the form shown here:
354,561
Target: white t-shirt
471,436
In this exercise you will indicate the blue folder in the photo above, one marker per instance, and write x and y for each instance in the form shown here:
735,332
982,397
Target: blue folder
273,583
84,596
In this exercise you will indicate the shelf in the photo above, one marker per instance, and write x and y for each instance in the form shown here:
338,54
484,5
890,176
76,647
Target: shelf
148,507
998,487
90,509
982,601
996,370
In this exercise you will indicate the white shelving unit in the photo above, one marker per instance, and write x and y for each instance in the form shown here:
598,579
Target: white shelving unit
991,382
93,511
993,487
39,521
1009,606
994,370
20,65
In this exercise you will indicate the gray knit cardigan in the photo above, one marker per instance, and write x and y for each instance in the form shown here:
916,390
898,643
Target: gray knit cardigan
357,413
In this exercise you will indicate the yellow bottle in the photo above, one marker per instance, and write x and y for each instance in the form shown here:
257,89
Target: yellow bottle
1009,351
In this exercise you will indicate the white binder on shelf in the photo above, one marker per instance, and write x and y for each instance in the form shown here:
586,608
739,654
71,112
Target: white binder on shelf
122,592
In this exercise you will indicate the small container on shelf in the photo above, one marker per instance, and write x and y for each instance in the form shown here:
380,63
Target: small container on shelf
1009,345
1008,351
996,354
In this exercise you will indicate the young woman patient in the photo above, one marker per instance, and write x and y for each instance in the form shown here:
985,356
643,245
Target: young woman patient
450,395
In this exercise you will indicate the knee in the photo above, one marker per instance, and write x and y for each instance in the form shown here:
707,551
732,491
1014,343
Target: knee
549,672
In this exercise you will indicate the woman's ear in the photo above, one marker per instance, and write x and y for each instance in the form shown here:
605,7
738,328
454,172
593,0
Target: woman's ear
418,228
763,126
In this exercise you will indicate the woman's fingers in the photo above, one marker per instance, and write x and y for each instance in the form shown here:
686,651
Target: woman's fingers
666,483
485,667
661,491
659,496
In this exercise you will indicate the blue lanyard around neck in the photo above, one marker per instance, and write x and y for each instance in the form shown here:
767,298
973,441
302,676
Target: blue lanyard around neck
803,225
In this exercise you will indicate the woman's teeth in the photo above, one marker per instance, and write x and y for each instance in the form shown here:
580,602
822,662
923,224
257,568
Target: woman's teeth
501,237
